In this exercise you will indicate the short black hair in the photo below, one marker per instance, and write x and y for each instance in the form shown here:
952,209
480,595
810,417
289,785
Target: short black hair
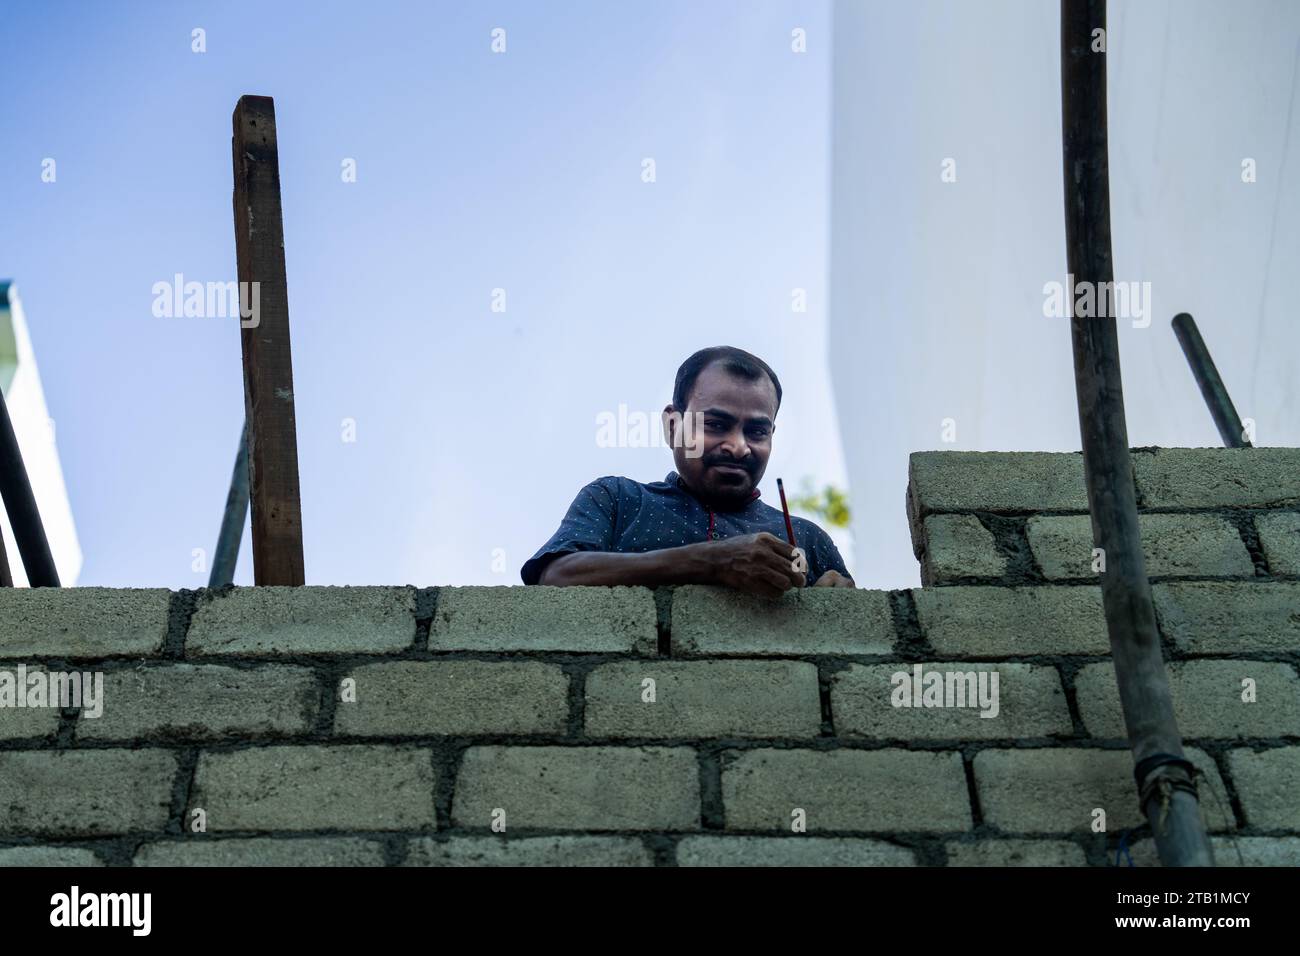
736,361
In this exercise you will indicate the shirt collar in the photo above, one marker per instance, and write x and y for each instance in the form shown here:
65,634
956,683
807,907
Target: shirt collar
674,480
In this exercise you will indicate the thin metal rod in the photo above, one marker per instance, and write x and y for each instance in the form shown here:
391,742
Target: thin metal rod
20,504
1211,385
6,576
1170,805
232,522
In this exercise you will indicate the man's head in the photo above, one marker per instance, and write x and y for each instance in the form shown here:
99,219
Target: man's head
720,423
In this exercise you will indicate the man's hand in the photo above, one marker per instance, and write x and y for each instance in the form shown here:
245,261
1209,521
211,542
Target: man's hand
759,564
833,579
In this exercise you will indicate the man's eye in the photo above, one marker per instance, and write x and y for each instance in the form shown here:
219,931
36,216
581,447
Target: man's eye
758,433
714,424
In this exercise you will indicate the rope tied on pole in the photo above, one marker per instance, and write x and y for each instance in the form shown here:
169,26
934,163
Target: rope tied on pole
1166,783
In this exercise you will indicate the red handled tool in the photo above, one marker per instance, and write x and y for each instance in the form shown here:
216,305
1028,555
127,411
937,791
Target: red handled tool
789,528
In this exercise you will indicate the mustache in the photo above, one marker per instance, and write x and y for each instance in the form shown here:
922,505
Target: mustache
711,460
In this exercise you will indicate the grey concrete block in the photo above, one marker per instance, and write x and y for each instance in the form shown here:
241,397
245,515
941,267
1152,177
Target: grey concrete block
795,850
1229,850
956,547
1229,618
1267,783
1056,790
540,618
171,702
1279,536
530,851
1016,853
453,697
85,792
20,723
996,481
854,790
262,851
343,787
579,788
703,699
266,621
1218,477
1207,698
721,622
37,723
1203,545
82,622
1029,702
48,856
1009,622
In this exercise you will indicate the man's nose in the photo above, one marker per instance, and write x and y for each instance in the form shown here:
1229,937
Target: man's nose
736,446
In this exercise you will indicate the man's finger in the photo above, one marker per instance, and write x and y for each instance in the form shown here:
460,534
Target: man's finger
776,544
781,565
833,579
797,578
778,579
765,587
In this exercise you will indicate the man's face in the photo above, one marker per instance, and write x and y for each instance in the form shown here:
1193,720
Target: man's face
723,451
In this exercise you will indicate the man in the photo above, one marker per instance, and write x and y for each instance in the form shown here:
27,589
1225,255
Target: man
703,524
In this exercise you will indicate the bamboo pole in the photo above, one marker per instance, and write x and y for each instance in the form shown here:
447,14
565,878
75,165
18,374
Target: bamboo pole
1164,776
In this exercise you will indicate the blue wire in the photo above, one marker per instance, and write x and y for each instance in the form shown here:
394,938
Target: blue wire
1123,848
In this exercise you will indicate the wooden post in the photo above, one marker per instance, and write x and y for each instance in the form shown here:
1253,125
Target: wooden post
268,369
1164,777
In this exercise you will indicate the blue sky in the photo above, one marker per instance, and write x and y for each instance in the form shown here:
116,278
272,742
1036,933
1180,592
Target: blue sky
476,171
522,171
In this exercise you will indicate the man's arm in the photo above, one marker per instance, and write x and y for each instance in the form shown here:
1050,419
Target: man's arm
755,563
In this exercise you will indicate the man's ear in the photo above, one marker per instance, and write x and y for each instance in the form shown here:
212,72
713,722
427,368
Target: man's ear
672,421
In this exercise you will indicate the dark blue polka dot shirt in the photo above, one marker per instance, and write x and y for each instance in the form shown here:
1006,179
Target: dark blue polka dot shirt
619,514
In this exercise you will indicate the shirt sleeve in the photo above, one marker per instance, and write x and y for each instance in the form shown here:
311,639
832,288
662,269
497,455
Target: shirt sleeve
588,526
822,554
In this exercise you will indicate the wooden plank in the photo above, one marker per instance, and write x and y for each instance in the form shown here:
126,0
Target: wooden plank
268,369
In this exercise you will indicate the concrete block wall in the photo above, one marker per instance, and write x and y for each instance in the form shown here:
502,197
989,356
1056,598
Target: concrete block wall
688,726
1206,514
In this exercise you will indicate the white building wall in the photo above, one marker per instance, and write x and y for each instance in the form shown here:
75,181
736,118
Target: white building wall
37,439
936,288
